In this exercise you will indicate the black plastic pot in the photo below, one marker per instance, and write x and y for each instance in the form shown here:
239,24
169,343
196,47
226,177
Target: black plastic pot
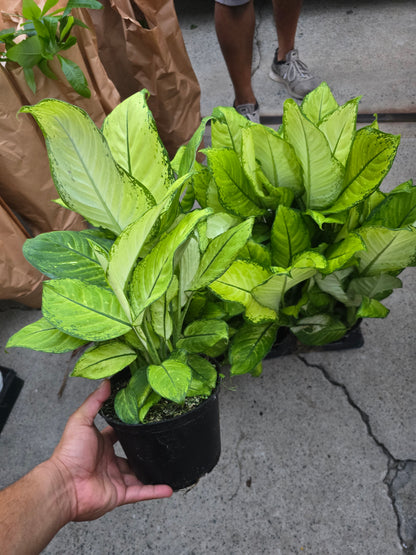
176,452
288,344
9,392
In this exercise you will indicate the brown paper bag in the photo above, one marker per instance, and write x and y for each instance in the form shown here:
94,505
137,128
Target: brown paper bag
154,58
18,279
26,186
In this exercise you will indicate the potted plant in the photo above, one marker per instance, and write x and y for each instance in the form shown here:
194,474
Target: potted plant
133,288
327,245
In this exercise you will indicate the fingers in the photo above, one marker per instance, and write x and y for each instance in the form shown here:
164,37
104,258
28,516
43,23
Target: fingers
92,404
144,493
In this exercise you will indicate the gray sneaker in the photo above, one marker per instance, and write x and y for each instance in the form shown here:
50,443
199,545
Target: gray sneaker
249,111
294,74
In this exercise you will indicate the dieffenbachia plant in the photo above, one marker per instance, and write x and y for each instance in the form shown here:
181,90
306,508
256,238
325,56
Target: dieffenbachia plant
327,244
136,283
43,34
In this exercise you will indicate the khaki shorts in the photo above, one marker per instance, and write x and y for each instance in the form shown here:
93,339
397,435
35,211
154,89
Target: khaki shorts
233,2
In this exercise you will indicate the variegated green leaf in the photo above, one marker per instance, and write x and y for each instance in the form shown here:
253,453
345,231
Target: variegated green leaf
202,334
204,376
319,103
43,336
289,237
171,379
105,360
250,345
319,329
82,310
135,144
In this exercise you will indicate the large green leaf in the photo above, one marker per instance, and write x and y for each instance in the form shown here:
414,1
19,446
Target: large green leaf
83,310
105,360
322,173
388,250
187,261
202,334
271,292
319,329
125,406
237,283
336,285
184,159
372,154
65,254
85,174
171,379
276,157
234,189
43,336
289,237
204,376
220,254
250,345
255,252
339,128
153,274
319,103
398,209
27,53
375,287
127,247
132,135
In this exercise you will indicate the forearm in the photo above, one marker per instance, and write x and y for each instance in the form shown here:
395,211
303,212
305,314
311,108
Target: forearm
33,510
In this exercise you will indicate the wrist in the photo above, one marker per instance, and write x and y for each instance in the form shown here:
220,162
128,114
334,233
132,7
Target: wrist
61,490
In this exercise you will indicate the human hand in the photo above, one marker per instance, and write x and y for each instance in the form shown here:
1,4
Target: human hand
97,480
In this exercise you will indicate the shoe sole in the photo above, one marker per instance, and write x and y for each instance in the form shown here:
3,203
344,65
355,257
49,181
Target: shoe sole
275,77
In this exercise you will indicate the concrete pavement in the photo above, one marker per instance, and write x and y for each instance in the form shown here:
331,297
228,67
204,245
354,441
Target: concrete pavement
319,453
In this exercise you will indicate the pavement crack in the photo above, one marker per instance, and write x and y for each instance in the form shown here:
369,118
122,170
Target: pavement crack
240,470
394,466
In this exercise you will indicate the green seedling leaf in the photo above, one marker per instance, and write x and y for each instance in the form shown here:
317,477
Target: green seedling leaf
27,53
319,103
371,308
204,376
339,129
289,236
30,78
319,329
202,334
153,274
134,141
237,284
234,189
30,9
220,254
322,173
388,250
65,254
171,379
85,174
43,336
371,157
74,75
250,345
46,70
82,310
90,4
49,4
103,361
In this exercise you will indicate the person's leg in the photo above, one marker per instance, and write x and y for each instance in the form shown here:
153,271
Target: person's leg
286,16
235,31
287,68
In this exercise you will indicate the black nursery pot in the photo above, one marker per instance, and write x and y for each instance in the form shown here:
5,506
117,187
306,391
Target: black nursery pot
177,451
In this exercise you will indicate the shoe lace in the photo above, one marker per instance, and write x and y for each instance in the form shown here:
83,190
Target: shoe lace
296,68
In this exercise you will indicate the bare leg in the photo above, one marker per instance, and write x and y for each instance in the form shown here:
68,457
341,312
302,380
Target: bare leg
235,32
286,16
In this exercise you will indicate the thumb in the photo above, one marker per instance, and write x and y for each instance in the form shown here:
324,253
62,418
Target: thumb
86,413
